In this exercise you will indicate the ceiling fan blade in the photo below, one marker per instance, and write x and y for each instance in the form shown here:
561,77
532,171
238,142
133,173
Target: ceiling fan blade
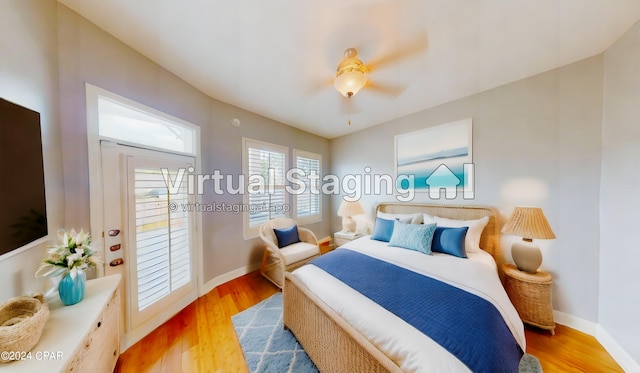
393,90
412,48
319,86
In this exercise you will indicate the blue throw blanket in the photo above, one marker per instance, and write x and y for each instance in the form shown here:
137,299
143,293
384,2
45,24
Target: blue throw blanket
466,325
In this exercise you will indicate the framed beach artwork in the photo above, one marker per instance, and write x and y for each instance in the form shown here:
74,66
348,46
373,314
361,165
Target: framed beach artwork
438,159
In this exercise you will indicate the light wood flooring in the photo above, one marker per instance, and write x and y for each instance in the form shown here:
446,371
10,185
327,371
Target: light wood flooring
201,338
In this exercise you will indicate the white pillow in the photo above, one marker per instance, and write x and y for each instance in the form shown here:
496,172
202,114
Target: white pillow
403,218
428,219
472,239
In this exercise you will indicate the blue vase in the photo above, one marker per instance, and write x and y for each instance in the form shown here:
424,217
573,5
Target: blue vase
72,291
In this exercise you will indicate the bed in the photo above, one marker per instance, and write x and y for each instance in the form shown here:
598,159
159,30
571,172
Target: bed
344,331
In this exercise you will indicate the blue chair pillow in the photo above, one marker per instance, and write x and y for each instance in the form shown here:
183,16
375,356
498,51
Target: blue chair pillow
450,241
382,230
287,236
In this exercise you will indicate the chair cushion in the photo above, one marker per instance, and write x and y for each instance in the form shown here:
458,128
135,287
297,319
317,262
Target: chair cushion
287,236
298,251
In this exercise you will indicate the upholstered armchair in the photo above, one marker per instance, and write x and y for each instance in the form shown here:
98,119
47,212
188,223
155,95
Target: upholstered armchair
277,260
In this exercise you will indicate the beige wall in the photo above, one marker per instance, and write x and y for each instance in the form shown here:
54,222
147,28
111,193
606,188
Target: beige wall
29,77
535,142
619,201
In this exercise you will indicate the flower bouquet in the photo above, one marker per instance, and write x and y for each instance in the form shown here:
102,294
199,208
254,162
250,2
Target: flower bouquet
69,259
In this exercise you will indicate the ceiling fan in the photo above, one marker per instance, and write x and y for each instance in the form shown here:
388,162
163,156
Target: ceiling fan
352,73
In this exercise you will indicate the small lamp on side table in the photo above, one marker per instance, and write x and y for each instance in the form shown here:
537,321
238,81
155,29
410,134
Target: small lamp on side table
529,223
347,210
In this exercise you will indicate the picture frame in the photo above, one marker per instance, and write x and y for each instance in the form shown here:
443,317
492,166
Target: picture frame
437,158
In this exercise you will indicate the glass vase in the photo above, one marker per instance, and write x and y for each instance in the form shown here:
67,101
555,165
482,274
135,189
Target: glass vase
72,290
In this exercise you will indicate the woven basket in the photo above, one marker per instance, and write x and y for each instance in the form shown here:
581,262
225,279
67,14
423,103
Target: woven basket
21,322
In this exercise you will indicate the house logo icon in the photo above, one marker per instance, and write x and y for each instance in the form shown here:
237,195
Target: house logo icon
442,178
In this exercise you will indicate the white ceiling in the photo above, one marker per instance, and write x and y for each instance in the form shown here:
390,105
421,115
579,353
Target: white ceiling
277,58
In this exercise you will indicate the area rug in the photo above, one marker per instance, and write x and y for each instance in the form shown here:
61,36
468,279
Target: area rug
269,348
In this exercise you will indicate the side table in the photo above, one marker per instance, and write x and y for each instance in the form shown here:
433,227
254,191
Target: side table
530,293
342,238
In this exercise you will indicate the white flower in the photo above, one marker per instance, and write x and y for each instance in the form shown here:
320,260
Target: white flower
73,255
82,237
73,273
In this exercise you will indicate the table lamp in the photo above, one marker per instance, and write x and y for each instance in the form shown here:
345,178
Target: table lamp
529,223
347,210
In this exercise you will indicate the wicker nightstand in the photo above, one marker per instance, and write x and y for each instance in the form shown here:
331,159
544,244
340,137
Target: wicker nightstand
530,293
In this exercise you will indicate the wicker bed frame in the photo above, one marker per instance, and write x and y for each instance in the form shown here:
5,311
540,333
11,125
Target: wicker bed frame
333,344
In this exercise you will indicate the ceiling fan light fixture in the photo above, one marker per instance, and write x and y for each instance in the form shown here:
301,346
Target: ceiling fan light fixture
349,83
350,75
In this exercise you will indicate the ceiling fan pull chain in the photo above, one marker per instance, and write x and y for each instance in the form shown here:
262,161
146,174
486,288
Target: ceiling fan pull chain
350,94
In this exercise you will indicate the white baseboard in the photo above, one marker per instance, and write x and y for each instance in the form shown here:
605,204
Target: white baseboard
621,356
618,354
226,277
575,322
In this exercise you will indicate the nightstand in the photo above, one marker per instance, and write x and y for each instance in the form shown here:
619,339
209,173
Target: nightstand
341,238
530,294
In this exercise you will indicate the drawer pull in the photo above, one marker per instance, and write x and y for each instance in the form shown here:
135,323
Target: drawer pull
113,232
115,247
99,324
116,262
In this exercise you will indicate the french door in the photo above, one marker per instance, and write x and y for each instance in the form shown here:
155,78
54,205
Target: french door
151,227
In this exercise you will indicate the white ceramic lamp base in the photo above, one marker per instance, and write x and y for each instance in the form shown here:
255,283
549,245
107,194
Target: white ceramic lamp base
348,224
526,255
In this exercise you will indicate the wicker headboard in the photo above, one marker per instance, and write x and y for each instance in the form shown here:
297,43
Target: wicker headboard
490,239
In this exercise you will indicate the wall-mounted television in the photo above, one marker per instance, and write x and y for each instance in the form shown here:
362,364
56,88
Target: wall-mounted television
23,212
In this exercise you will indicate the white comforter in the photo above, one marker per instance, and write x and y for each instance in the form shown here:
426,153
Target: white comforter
401,342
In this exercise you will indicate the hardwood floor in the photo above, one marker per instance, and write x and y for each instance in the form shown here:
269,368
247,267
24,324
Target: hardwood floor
201,338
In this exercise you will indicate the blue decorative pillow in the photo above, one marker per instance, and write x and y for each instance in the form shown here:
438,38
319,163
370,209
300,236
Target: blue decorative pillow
287,236
450,241
416,237
382,230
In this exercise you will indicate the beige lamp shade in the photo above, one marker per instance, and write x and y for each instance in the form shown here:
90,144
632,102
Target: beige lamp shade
528,223
347,210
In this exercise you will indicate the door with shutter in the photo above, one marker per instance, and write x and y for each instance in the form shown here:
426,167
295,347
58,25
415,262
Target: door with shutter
152,208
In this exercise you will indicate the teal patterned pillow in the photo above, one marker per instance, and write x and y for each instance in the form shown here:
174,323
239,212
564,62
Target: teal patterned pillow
416,237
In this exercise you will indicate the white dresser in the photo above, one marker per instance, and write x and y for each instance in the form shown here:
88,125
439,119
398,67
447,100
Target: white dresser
84,337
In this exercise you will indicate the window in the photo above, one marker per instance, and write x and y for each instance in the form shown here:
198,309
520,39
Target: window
308,203
131,125
264,168
162,235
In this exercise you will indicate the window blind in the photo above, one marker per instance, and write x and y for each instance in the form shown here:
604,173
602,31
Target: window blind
308,202
162,237
269,165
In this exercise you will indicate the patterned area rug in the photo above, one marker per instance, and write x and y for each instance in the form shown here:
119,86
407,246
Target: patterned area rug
267,347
